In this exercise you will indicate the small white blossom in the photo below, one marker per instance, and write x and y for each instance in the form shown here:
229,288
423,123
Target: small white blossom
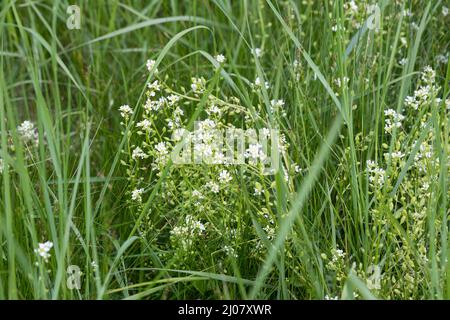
154,87
403,61
277,103
255,152
259,84
442,58
150,65
394,155
393,120
43,250
198,85
136,195
173,99
220,58
224,176
258,52
161,148
28,132
258,190
214,187
125,111
138,153
145,125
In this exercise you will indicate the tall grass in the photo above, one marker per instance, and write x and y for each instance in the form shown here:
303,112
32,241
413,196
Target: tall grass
336,75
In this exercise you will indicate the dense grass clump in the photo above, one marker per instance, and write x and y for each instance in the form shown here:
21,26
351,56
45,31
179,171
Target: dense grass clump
101,197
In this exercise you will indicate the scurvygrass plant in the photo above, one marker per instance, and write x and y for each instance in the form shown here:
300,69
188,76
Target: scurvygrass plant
213,149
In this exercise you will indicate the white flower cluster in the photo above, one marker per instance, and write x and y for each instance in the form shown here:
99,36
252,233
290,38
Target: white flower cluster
220,58
136,195
198,85
258,83
423,94
377,175
277,105
337,259
150,65
186,233
138,153
339,82
161,154
28,132
225,177
255,153
393,120
43,250
258,52
230,251
126,111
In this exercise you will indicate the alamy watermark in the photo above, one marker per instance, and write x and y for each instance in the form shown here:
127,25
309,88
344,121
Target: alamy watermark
73,277
74,20
373,21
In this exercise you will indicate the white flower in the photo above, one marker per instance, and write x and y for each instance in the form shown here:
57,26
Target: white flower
277,104
220,58
2,166
136,195
428,75
334,28
224,176
187,232
393,120
265,132
151,65
258,52
442,58
154,105
394,155
214,187
197,194
198,85
173,99
28,132
255,152
213,109
258,190
444,11
403,61
377,175
161,148
230,251
259,84
154,86
125,111
145,125
44,249
138,153
338,82
353,6
410,101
